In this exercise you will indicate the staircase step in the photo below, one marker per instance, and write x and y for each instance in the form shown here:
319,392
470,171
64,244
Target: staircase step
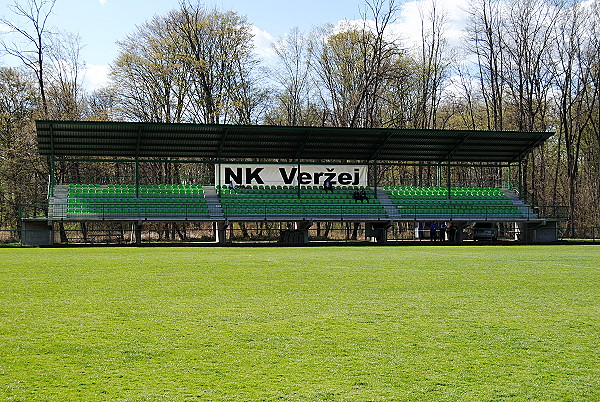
387,204
214,203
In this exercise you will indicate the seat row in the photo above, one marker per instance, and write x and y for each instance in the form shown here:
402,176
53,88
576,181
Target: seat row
303,209
438,189
104,209
453,202
294,201
484,192
445,197
133,186
133,192
453,194
136,201
284,187
141,196
290,191
502,210
259,196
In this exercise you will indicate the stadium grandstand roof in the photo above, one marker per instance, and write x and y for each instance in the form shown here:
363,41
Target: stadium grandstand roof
77,139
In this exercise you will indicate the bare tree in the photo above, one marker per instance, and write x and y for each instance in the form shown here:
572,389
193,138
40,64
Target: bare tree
218,48
191,65
400,93
292,76
530,27
528,42
23,173
593,55
151,80
379,53
485,41
577,100
65,96
34,41
434,66
352,66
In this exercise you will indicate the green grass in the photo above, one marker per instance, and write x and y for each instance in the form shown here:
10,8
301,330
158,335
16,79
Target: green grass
300,324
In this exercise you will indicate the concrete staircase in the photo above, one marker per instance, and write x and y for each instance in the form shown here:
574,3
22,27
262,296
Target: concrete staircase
387,204
525,209
215,209
57,204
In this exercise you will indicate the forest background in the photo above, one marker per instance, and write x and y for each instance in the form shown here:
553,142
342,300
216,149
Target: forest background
526,65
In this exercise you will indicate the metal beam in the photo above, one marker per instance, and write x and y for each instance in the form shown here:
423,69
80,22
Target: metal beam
377,151
303,146
456,147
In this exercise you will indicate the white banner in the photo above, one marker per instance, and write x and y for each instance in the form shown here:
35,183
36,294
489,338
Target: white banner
290,175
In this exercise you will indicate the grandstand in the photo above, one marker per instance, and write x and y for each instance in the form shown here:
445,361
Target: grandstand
286,184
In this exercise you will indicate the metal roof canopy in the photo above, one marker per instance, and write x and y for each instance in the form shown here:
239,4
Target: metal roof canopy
77,139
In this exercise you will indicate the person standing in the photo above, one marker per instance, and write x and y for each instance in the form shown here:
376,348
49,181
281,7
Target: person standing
443,228
433,231
451,232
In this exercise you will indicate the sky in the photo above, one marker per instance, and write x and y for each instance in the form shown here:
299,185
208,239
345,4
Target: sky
100,23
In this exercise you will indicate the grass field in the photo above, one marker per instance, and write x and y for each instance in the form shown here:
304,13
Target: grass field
322,323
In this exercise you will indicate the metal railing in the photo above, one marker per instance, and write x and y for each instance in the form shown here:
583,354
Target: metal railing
13,237
325,211
281,211
551,212
434,182
130,179
588,233
110,211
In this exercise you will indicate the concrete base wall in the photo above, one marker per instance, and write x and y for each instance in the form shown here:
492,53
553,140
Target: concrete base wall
377,231
37,233
298,235
533,233
294,236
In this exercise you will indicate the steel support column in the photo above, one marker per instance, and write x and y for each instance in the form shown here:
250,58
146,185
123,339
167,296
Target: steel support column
137,163
52,161
521,179
376,174
449,179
